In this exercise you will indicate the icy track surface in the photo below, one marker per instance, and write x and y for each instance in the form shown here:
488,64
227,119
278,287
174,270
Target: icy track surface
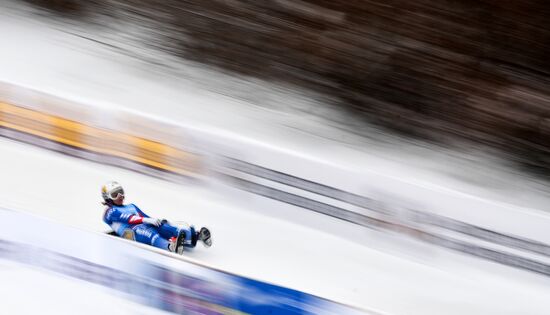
265,247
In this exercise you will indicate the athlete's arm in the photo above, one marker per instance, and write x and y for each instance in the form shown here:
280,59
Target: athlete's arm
114,215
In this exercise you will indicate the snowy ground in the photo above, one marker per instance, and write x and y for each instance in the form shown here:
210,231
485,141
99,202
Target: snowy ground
348,264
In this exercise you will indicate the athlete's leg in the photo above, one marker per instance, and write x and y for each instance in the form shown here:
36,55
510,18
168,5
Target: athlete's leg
167,231
149,235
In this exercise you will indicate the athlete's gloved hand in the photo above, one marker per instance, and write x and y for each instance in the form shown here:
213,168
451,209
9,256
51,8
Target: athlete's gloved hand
152,221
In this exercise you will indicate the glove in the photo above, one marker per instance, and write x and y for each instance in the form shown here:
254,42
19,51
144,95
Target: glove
152,221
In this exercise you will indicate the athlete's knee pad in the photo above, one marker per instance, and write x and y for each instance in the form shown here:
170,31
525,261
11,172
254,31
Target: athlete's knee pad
128,234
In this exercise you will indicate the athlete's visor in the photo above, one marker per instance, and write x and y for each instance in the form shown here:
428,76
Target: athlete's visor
114,194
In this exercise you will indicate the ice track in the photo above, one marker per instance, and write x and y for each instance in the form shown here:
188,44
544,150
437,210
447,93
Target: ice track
266,245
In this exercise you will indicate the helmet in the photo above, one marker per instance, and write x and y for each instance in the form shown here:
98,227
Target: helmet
111,191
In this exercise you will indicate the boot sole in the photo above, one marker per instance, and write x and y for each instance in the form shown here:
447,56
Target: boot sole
208,240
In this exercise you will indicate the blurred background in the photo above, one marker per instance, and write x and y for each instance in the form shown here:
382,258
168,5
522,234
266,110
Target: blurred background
410,138
442,71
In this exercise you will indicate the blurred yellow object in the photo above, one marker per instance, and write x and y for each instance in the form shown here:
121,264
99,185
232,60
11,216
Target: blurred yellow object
97,140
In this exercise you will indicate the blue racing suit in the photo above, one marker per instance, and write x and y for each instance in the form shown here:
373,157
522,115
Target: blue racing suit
127,221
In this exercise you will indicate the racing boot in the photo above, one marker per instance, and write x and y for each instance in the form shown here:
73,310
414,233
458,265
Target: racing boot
176,243
205,237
